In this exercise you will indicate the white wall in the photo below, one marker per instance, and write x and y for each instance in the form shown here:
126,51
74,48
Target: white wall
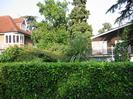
99,47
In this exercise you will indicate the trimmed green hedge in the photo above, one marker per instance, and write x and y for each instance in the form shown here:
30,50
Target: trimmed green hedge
86,80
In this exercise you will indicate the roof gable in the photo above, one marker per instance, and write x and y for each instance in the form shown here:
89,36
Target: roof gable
112,30
7,24
18,20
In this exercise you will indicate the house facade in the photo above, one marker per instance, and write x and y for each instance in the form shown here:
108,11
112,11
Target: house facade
103,44
13,32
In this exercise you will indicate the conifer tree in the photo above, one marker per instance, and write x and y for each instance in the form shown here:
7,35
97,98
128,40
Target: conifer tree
79,30
125,7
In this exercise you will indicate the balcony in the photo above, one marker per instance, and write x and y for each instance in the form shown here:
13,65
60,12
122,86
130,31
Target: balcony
102,51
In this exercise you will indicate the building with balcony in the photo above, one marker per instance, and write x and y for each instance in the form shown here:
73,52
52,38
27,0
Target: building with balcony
104,43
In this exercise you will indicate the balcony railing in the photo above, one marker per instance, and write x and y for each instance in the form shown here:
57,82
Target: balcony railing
107,51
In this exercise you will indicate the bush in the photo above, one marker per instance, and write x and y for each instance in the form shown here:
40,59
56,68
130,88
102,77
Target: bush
37,80
79,48
121,52
11,54
16,53
31,54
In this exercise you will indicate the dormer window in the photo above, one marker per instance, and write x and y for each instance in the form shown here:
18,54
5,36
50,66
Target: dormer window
23,25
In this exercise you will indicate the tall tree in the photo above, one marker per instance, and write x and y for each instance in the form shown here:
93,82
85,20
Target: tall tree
126,7
51,34
106,27
79,29
126,12
54,12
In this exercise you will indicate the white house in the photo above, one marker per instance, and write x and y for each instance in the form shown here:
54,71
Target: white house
13,32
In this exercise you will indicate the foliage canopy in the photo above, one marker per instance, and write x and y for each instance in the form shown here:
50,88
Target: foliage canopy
80,31
126,7
106,27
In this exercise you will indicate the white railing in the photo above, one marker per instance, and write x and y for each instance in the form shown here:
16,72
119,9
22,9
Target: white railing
99,51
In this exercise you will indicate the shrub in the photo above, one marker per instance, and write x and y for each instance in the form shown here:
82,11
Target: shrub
121,52
37,80
16,53
79,48
11,54
36,54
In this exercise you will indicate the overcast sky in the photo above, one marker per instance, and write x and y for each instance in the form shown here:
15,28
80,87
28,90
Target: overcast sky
98,8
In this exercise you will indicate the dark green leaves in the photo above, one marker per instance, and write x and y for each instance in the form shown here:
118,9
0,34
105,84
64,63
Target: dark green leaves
106,27
80,32
125,7
53,12
84,80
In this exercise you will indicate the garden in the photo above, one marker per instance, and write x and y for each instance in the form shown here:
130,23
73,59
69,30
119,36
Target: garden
27,73
59,66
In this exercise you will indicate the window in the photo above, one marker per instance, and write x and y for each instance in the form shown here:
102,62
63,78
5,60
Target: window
21,39
13,38
6,39
9,38
17,37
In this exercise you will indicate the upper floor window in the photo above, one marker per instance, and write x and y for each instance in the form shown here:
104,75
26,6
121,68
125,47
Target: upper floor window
9,38
23,27
17,39
6,38
14,38
21,39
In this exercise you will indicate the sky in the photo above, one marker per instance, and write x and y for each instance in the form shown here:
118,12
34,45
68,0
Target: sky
97,8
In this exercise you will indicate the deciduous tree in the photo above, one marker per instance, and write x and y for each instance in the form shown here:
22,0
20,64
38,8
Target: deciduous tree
51,34
54,12
106,27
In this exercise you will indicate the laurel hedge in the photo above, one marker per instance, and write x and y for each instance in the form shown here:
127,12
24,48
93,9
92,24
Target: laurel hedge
85,80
